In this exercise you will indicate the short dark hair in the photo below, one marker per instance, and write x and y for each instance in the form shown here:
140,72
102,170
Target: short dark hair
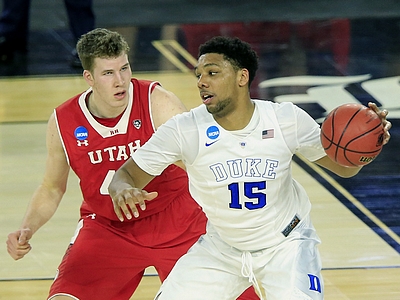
100,43
237,52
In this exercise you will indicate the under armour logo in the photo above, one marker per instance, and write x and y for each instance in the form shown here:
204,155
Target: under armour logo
84,142
92,216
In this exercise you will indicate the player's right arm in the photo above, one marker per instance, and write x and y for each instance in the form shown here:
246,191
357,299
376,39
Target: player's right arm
47,196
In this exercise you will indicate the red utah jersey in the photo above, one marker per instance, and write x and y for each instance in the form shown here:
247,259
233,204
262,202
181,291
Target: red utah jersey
95,151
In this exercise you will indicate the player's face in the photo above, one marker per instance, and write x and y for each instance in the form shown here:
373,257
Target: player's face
110,81
217,81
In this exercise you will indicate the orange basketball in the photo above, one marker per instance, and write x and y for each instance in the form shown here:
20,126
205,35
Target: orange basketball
352,135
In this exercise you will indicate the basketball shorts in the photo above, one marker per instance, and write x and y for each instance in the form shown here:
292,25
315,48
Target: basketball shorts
107,259
214,270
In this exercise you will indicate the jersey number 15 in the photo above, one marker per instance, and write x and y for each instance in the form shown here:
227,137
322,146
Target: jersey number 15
252,190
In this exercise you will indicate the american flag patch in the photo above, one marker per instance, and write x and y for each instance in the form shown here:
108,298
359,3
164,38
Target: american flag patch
268,134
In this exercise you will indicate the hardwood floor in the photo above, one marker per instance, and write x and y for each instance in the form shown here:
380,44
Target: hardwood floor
356,284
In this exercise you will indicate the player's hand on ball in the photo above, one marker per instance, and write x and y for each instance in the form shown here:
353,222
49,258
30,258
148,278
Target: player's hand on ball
385,123
18,243
352,134
125,202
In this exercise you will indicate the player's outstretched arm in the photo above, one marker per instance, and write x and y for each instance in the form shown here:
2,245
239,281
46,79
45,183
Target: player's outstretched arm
47,196
126,191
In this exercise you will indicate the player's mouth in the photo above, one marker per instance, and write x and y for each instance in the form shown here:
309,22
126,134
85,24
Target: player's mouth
206,97
120,95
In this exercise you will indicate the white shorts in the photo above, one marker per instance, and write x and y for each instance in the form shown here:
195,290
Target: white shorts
214,270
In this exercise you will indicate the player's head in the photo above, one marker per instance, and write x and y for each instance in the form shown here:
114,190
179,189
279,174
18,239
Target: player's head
100,43
237,52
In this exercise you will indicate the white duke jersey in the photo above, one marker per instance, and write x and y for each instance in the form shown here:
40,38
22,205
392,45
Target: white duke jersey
242,179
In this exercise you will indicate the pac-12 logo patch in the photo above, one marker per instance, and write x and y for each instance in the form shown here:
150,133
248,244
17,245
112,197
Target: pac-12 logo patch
137,123
81,133
212,132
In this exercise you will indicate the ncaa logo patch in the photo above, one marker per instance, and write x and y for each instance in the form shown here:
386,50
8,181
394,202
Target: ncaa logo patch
81,133
212,132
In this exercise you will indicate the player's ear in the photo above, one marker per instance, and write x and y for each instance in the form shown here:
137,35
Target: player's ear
244,77
88,77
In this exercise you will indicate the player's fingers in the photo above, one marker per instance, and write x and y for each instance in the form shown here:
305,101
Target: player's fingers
388,125
25,236
117,211
138,197
12,238
145,196
381,113
151,195
374,107
386,135
20,253
133,197
126,202
121,208
16,250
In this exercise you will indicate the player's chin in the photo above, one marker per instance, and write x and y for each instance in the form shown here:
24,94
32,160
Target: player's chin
210,108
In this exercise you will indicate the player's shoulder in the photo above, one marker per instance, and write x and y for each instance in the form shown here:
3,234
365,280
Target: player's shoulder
160,93
274,105
197,115
282,110
69,104
144,82
200,114
144,87
196,112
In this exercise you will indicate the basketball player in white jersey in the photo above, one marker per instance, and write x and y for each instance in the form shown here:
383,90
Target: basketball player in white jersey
238,153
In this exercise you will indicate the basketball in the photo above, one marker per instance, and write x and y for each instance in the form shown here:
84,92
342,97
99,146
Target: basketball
352,135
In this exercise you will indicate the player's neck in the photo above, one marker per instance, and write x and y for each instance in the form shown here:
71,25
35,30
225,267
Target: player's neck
100,111
238,118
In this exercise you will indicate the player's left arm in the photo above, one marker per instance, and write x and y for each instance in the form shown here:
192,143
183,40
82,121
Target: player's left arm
347,172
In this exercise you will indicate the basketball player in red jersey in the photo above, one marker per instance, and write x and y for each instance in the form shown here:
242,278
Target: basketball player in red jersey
94,133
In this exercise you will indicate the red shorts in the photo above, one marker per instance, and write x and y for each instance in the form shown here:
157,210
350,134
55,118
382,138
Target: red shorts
108,258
